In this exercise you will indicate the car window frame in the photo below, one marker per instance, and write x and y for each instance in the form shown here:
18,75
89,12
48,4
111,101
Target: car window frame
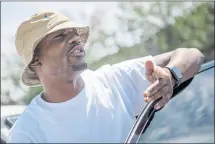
146,115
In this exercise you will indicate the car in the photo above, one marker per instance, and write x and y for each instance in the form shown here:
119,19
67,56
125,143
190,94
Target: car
188,116
9,114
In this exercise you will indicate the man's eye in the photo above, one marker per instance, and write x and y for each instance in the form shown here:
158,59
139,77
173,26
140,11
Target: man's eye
58,36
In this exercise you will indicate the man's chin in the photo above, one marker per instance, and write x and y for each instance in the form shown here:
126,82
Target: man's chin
79,67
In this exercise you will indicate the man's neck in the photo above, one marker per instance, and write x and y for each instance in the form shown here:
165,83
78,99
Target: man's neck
56,92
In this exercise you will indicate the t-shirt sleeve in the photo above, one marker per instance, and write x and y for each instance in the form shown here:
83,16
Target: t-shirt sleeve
130,78
18,137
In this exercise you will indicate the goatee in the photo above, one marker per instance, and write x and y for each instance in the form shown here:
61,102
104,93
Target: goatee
79,67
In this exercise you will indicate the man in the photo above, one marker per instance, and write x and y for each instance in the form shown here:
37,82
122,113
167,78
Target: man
80,105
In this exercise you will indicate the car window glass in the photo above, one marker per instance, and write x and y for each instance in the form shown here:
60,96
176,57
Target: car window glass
189,117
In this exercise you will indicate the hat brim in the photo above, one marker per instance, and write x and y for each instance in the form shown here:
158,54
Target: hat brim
29,77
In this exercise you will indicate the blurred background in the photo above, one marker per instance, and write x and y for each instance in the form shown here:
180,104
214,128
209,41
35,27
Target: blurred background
119,31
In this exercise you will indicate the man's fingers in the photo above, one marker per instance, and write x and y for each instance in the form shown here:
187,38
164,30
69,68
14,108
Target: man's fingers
153,88
152,78
149,67
155,95
162,102
161,73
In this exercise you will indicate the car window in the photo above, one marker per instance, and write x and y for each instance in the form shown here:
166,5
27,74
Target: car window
188,117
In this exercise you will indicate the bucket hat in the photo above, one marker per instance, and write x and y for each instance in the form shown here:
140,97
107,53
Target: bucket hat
32,31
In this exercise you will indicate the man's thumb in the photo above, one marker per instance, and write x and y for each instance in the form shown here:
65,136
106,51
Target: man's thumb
149,67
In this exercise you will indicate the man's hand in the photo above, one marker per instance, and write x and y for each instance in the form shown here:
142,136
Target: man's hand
162,84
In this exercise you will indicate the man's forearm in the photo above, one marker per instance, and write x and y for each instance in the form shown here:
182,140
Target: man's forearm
187,60
163,59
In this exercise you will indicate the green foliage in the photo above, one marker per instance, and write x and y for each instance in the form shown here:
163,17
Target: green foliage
195,29
32,92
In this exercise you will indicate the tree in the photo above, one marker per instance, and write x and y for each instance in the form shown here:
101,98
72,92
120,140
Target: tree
195,28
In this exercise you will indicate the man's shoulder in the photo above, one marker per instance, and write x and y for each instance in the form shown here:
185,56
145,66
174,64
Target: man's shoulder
99,77
93,72
24,126
101,71
27,120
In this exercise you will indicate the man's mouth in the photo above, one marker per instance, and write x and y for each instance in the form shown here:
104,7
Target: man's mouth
77,51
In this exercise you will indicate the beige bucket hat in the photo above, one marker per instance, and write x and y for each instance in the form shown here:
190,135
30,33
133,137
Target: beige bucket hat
33,30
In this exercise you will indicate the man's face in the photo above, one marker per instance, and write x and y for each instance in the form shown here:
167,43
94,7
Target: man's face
62,55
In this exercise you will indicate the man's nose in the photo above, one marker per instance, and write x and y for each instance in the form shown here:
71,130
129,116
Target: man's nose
72,39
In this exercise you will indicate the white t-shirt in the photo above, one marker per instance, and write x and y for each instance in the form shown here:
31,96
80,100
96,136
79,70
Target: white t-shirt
104,111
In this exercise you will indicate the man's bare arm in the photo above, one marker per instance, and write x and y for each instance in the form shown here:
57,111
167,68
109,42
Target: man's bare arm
188,60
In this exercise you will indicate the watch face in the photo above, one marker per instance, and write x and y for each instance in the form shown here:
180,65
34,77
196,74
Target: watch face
177,72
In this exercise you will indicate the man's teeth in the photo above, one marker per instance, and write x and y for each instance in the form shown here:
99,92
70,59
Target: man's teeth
77,50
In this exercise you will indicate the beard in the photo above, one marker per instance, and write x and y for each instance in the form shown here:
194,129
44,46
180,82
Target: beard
77,70
77,63
79,67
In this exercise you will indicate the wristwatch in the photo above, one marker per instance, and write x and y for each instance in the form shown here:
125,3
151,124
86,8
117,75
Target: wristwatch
176,73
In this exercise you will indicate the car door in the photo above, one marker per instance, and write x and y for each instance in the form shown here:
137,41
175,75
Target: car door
188,117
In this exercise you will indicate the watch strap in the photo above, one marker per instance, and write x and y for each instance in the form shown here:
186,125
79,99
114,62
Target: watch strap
177,80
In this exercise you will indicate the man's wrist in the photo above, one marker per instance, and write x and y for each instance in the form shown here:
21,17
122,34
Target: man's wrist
173,81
